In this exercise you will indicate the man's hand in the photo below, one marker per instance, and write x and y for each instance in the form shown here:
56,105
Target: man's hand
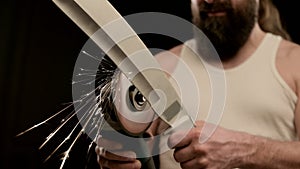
224,149
111,156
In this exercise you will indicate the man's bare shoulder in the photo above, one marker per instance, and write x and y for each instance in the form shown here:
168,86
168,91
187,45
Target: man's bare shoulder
168,55
289,49
173,51
176,50
292,51
168,59
289,54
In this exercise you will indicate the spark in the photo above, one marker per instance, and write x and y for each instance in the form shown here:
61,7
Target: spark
66,139
90,115
45,121
69,149
94,110
89,70
92,104
86,53
65,122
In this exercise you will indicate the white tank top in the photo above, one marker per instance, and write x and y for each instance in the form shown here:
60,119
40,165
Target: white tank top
258,100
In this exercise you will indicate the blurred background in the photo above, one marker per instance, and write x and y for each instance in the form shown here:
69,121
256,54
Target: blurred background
39,46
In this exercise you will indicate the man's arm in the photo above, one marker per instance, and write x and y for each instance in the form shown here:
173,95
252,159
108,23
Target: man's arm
276,154
227,149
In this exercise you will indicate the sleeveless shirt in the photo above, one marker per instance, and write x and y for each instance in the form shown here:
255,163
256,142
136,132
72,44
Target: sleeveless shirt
258,100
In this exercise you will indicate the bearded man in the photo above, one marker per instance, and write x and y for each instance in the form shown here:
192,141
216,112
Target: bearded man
260,126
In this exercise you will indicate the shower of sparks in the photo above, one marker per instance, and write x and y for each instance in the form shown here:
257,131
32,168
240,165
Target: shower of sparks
45,121
91,105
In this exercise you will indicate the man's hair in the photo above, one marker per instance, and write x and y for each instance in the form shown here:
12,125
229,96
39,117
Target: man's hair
269,19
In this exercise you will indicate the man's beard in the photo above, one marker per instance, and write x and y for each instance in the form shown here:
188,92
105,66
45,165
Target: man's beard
230,32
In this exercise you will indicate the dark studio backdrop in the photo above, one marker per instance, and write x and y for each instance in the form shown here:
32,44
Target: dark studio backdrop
39,45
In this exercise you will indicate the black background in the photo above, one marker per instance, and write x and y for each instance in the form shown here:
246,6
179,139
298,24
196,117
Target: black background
39,45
